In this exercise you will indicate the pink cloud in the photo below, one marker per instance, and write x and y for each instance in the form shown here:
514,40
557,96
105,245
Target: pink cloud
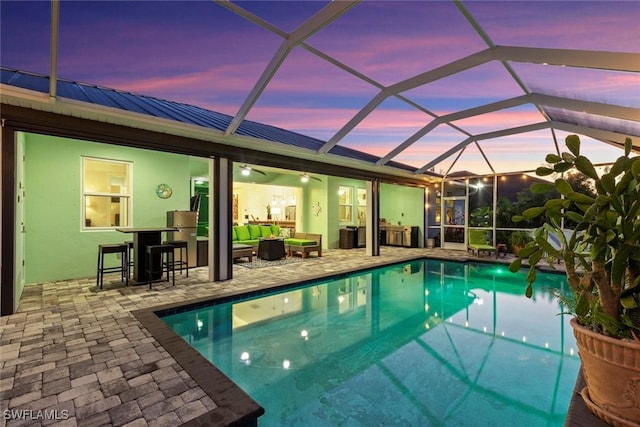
317,122
570,25
498,120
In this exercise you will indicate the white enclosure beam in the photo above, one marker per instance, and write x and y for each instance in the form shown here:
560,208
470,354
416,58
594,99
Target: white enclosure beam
488,135
314,24
55,30
615,61
449,69
602,135
351,124
608,110
413,82
488,108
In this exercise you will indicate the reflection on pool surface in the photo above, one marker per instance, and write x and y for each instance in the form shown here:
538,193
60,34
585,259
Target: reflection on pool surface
427,343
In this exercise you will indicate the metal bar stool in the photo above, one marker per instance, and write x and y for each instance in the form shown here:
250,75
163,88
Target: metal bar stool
180,245
117,248
129,243
163,251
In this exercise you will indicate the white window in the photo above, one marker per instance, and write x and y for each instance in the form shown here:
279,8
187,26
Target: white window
345,203
106,193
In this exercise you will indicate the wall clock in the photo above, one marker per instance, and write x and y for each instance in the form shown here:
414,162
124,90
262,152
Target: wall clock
164,191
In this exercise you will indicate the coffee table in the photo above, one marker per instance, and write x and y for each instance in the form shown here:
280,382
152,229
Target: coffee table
241,251
271,249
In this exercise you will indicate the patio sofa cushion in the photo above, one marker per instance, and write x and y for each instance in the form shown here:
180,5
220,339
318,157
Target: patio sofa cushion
300,242
254,231
251,234
304,243
265,231
242,232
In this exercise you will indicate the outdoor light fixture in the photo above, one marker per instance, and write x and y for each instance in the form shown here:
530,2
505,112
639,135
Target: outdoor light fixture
305,178
246,170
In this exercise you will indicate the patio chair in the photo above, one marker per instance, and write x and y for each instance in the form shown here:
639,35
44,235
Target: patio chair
478,243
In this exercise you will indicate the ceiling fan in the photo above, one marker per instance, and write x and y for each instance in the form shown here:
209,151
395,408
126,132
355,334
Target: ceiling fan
246,170
305,178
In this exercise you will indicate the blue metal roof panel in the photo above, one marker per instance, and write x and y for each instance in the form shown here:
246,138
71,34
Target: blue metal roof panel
25,80
272,133
175,111
209,118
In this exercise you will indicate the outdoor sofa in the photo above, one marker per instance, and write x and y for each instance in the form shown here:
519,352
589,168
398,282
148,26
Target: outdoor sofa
250,235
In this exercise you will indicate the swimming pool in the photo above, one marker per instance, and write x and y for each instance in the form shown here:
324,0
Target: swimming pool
427,343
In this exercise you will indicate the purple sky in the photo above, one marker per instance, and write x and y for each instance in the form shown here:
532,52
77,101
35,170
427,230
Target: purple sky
200,53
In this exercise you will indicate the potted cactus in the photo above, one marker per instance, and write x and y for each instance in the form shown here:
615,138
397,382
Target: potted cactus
602,261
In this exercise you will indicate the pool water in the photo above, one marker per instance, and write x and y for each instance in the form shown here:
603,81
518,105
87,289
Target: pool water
426,343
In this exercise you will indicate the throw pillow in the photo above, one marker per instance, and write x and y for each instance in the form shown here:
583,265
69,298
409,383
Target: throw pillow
242,232
275,230
285,232
254,231
265,231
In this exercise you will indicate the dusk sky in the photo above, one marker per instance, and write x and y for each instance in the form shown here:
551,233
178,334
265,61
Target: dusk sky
201,53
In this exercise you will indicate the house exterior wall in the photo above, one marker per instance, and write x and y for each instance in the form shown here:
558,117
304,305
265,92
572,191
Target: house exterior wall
56,248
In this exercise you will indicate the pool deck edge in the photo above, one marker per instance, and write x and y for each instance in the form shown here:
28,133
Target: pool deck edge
234,406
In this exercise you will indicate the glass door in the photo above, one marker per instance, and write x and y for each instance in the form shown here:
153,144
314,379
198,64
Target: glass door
454,215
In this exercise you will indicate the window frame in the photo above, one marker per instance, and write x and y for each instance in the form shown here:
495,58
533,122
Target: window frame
348,206
127,194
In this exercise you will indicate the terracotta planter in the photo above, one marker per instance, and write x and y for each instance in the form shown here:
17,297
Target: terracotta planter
516,249
611,369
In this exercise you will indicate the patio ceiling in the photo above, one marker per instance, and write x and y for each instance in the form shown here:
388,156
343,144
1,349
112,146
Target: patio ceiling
489,87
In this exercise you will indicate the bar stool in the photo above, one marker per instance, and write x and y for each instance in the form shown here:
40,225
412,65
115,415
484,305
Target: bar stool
160,250
117,248
182,246
129,243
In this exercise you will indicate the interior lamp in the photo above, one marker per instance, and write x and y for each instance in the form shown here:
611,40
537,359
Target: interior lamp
245,172
304,178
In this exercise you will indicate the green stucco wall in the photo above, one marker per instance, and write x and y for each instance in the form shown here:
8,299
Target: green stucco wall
333,209
403,204
56,248
316,220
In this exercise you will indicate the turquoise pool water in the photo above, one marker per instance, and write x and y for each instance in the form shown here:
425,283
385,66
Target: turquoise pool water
426,343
